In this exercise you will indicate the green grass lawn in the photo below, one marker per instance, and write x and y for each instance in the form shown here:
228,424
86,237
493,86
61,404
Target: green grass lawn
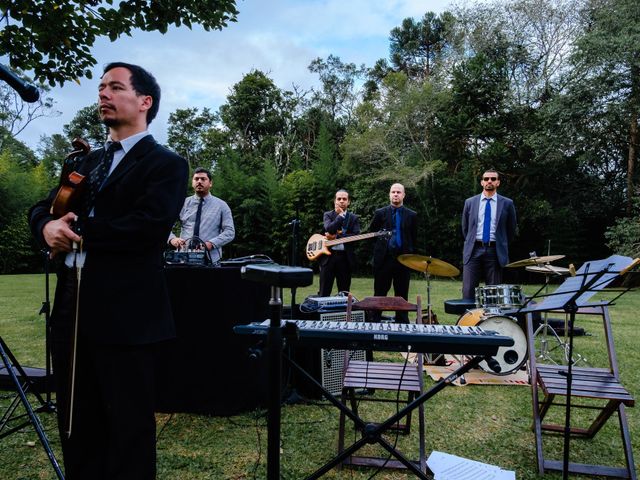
486,423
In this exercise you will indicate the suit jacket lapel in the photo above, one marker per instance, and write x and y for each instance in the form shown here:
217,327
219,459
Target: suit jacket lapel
498,210
475,208
130,159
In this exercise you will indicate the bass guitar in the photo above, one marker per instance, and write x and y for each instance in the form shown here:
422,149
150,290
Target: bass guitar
319,244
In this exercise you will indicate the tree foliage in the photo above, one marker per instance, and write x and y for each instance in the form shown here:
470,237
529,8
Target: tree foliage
54,38
16,114
86,124
187,135
545,91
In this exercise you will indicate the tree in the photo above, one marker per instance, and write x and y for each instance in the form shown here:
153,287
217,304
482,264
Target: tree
16,114
187,135
416,46
338,96
258,116
608,58
87,124
52,151
537,36
54,38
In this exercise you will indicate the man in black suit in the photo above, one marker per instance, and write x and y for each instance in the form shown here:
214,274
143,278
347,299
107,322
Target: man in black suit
135,190
488,226
338,223
402,222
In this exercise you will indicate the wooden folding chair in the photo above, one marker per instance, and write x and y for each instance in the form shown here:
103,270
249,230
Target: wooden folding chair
363,377
600,385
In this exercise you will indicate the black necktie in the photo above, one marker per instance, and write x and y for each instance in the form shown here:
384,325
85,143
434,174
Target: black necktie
196,228
99,174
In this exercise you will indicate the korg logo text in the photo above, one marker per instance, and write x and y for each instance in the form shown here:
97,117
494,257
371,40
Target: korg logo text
380,336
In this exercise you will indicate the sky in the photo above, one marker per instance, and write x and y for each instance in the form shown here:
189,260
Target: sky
278,37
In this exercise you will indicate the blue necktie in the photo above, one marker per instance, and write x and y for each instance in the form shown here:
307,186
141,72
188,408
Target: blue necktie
486,227
398,232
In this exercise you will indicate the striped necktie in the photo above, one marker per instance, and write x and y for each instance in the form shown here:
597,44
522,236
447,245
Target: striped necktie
196,227
98,175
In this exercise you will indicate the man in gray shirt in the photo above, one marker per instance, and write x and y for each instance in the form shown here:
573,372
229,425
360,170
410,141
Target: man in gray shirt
204,217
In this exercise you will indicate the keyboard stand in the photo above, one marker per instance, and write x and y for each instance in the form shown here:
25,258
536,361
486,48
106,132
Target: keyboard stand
372,433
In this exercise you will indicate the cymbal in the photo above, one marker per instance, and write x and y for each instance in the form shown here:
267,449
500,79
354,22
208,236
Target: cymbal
429,265
547,269
535,261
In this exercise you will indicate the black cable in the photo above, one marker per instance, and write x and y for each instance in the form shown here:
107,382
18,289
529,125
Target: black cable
395,443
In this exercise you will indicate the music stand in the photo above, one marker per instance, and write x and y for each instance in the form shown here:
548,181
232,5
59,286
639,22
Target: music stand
570,296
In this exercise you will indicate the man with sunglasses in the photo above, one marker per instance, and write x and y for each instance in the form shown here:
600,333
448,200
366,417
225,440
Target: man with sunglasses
488,226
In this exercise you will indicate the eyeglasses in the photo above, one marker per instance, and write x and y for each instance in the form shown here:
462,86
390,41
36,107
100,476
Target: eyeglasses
493,179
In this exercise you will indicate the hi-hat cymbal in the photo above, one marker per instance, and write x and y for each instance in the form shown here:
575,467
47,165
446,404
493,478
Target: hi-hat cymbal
547,269
429,265
535,261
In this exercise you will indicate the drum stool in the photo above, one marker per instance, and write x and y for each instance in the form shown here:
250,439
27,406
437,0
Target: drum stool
459,306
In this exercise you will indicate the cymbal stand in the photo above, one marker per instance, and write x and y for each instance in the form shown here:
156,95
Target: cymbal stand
429,359
544,331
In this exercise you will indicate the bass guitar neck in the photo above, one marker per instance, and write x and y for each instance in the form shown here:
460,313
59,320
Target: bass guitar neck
318,244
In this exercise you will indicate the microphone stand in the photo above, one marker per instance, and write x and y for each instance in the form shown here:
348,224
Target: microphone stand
46,310
295,230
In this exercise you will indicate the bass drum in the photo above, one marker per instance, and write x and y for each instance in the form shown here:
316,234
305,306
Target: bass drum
511,358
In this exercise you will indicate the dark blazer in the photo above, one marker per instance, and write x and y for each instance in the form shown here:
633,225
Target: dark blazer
506,225
334,222
383,220
123,295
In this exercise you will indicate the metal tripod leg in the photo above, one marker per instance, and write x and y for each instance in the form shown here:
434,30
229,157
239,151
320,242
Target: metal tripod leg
33,418
545,333
429,358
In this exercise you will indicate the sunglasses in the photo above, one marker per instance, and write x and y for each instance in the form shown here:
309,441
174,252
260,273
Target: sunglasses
493,179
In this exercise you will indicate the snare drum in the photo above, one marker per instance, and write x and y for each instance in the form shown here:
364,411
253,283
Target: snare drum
511,358
501,296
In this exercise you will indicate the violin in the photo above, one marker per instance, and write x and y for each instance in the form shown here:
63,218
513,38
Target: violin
67,199
72,183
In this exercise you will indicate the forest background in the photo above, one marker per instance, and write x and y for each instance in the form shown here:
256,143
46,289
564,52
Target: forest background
545,91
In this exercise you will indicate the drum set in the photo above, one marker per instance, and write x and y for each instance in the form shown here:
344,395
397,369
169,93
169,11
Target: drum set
494,303
497,307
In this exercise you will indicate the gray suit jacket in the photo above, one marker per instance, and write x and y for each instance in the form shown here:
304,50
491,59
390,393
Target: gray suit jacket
506,225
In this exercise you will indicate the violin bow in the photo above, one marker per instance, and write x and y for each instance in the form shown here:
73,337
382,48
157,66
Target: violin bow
78,264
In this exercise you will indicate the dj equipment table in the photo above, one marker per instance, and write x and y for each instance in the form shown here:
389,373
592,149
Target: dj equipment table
206,369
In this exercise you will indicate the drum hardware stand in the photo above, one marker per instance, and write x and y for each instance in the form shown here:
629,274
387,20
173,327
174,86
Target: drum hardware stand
545,330
429,358
429,265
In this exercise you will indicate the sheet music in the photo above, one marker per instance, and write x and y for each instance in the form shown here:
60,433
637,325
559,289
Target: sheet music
451,467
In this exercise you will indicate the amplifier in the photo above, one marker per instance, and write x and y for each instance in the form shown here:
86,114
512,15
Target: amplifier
332,361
